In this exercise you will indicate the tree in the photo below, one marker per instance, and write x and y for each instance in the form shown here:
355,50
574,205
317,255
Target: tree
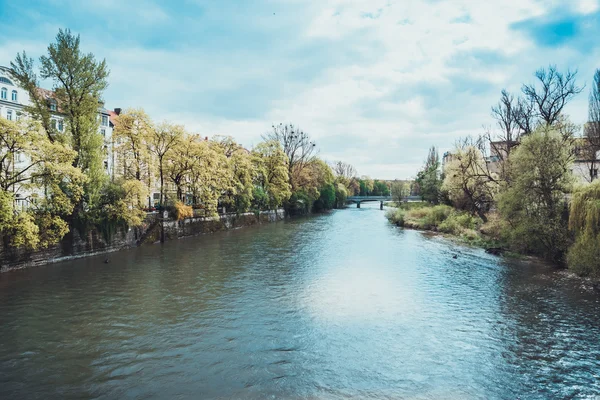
298,148
161,141
533,202
180,162
243,172
55,186
469,183
210,176
399,191
131,133
429,178
380,188
271,164
507,114
366,185
79,81
584,222
327,198
555,90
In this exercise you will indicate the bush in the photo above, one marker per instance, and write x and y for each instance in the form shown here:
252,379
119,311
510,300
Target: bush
583,257
182,211
395,216
458,223
426,217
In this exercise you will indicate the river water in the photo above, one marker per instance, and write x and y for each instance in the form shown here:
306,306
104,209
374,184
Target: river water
331,307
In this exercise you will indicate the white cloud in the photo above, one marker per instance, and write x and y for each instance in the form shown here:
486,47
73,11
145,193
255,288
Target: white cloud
375,83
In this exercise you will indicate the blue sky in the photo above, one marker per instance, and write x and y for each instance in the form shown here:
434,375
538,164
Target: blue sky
374,82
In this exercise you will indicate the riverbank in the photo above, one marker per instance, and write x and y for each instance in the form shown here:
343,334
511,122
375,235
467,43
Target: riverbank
92,243
455,224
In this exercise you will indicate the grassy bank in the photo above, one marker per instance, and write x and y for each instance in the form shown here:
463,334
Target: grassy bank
447,220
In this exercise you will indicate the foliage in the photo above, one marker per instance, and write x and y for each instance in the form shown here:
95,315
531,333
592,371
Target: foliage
396,216
400,190
327,198
583,257
131,134
380,188
49,171
260,199
341,194
584,222
297,146
429,178
182,211
161,140
242,169
533,202
271,165
469,185
458,223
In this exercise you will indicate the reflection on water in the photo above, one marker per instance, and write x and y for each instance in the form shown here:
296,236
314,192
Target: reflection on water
336,306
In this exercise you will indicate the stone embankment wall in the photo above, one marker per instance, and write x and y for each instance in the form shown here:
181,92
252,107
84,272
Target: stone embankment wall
77,246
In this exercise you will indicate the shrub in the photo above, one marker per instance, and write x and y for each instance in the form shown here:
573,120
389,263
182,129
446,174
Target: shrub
583,257
457,223
182,211
395,216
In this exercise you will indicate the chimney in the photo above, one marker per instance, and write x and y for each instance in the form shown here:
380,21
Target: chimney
118,111
206,138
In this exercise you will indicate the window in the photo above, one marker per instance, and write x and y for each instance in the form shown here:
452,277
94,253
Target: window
14,95
53,123
5,80
9,115
52,105
106,165
104,120
594,173
103,132
60,125
3,92
18,116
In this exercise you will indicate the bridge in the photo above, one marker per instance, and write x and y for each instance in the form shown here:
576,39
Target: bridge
363,199
381,199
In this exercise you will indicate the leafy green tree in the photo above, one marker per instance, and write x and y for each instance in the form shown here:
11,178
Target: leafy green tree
271,165
533,203
429,178
327,197
380,188
131,134
49,171
161,141
79,81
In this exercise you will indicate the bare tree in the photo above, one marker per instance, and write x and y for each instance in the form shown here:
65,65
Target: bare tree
524,115
344,170
297,145
505,114
553,93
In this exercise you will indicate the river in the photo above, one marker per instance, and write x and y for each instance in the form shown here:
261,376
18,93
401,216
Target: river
337,306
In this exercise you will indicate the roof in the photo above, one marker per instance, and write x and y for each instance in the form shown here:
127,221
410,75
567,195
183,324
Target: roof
112,115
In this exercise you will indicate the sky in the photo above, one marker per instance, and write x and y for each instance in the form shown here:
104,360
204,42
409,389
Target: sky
375,83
